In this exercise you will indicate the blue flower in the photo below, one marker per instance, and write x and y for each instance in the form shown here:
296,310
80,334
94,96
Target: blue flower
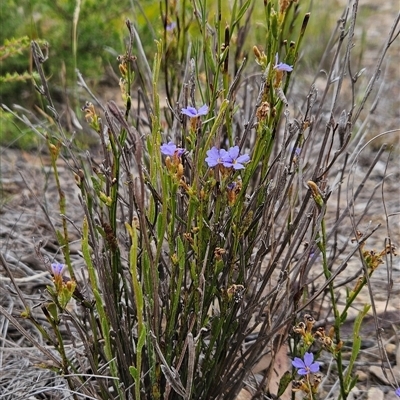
171,26
214,157
228,158
57,269
191,112
170,149
397,391
280,66
231,158
307,366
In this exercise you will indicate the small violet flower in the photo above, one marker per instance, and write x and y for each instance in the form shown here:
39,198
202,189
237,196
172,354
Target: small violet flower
171,26
57,269
191,112
214,157
228,158
397,392
231,158
280,66
170,149
307,366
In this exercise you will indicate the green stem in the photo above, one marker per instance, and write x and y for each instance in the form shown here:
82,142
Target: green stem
63,239
336,313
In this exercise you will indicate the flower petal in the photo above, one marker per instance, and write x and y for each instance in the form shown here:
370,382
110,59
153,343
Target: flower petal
180,151
171,26
189,111
314,367
243,158
213,152
298,363
302,371
280,66
284,67
237,166
213,158
224,155
168,149
212,162
234,152
57,268
308,359
203,110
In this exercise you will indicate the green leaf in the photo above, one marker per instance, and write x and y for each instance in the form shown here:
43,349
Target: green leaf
210,62
142,338
241,12
274,25
134,373
343,318
284,383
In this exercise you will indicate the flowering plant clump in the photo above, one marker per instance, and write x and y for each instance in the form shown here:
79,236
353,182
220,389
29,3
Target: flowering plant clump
196,259
397,391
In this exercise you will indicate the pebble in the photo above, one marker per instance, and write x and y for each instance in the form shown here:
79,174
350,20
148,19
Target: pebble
362,376
388,379
390,348
375,393
355,394
244,395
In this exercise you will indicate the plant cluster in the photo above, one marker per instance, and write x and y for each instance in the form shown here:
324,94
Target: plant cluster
202,227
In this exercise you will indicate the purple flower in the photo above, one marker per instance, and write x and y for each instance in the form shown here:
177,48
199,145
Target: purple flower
231,158
191,112
57,269
171,26
397,391
280,66
307,366
214,157
170,149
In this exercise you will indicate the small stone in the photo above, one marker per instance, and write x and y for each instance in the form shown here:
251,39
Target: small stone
355,394
362,376
390,348
244,395
375,393
377,371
